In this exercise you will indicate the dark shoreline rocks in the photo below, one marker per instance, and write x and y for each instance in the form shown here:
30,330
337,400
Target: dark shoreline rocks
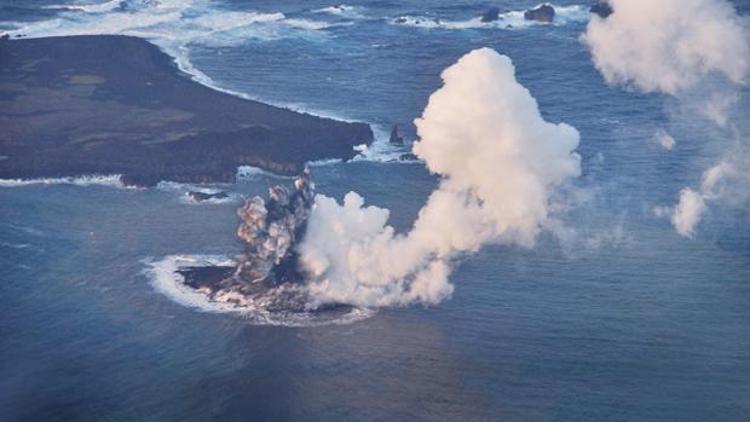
602,9
72,106
544,13
395,138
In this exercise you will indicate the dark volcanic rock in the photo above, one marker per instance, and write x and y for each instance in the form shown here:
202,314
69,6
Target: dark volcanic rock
204,196
206,277
73,106
269,265
395,138
542,13
491,15
408,157
602,8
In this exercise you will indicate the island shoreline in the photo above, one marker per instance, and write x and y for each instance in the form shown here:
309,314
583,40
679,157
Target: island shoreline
111,104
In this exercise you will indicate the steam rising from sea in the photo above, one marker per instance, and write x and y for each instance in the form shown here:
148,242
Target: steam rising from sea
679,48
500,163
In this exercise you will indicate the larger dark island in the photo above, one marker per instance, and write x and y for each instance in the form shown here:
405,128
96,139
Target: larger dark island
82,105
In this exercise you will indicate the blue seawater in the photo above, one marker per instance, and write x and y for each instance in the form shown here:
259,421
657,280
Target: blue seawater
627,321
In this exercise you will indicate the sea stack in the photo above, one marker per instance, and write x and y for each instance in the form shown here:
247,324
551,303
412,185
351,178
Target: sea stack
395,138
543,13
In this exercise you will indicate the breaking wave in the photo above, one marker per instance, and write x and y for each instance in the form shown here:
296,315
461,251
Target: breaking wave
381,150
343,10
113,180
250,172
164,278
88,8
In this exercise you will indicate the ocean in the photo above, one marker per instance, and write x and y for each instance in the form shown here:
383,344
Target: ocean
620,319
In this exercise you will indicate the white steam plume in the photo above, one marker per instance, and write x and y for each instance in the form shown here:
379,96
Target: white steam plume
499,163
669,45
672,46
724,181
688,212
665,139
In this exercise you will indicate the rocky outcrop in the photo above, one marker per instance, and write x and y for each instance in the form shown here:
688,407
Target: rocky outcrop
602,8
491,15
198,196
543,13
395,138
82,105
408,156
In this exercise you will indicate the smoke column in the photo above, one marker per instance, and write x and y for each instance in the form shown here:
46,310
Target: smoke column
672,47
499,162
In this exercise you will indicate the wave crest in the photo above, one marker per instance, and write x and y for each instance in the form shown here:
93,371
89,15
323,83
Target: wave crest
112,180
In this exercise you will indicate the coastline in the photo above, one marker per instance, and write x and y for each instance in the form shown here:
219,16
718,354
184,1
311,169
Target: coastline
112,104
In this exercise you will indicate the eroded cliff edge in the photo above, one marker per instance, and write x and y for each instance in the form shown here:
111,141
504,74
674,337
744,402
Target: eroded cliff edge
80,105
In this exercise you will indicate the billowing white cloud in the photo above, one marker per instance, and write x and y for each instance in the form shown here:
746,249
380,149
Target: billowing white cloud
499,162
669,45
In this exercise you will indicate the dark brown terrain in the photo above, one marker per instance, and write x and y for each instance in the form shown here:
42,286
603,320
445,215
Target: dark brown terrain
73,106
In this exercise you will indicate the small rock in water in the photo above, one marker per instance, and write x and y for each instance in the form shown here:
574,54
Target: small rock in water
408,157
203,196
602,8
543,13
395,138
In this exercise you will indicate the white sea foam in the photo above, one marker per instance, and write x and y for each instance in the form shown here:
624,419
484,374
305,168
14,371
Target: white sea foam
165,279
88,8
325,162
381,150
343,10
309,24
182,189
4,244
250,172
112,180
